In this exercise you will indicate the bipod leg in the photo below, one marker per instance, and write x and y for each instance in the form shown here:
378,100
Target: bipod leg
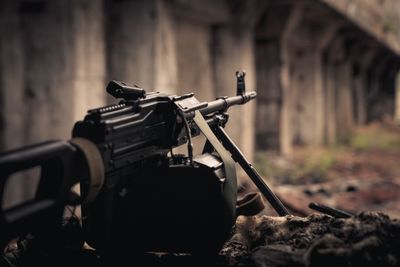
238,156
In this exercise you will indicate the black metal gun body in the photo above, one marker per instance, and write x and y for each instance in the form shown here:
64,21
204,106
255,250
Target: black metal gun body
141,180
134,131
129,132
134,138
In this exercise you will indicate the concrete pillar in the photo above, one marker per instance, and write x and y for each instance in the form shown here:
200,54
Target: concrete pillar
286,136
330,102
325,82
377,88
319,98
141,44
44,67
11,78
359,84
41,77
165,48
234,50
362,55
344,97
308,94
195,70
397,99
383,105
269,97
304,45
89,58
130,42
340,91
55,64
195,73
269,65
288,98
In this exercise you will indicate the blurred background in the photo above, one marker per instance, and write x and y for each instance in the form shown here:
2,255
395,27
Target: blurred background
325,123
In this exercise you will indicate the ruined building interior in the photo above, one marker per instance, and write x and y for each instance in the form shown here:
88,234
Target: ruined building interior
320,67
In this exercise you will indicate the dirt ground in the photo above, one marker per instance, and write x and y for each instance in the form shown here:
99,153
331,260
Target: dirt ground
360,174
367,239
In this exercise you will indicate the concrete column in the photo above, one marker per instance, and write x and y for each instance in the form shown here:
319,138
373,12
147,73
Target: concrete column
286,136
325,82
30,69
304,44
269,94
141,44
319,98
303,82
340,91
234,50
397,99
44,67
195,70
383,107
269,81
308,94
359,84
46,71
378,87
25,106
55,65
195,73
11,78
288,98
165,52
130,42
330,103
88,44
344,97
362,56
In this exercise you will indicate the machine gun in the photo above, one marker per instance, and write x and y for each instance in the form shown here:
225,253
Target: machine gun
133,187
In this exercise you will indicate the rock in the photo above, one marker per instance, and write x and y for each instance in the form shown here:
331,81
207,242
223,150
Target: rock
367,239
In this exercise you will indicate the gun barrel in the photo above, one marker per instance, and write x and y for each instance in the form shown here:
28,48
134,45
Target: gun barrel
223,103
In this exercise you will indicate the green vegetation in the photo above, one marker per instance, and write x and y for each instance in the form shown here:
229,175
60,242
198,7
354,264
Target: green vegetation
313,165
375,138
389,26
309,166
